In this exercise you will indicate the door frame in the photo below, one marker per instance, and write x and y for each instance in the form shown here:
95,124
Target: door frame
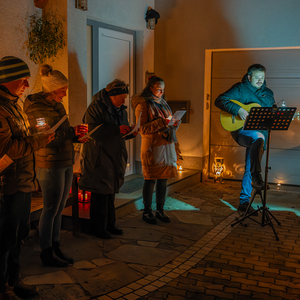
95,49
207,97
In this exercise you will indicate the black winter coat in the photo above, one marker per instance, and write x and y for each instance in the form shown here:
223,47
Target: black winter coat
104,157
245,93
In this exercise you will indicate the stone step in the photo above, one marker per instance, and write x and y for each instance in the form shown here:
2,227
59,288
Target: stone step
130,196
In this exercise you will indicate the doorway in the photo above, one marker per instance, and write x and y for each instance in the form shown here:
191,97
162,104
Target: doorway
111,55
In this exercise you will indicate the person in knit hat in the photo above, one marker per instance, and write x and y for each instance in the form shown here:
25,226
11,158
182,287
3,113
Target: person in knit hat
105,157
18,179
54,162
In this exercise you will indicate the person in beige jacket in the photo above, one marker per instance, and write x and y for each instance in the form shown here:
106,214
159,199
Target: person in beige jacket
158,153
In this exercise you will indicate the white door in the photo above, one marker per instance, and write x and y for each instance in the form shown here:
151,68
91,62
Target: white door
115,58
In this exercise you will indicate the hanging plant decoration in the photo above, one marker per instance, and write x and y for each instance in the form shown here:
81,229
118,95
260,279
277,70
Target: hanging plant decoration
45,38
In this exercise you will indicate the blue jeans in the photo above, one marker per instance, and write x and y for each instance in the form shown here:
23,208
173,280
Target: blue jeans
55,185
14,227
254,143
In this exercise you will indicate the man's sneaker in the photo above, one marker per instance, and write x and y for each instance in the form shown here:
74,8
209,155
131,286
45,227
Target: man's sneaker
25,291
258,183
149,218
243,208
160,214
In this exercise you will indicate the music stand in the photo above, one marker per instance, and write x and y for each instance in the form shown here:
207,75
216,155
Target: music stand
266,118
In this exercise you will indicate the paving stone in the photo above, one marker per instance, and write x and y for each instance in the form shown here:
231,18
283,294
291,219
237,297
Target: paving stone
148,244
84,265
193,218
102,261
59,277
219,261
139,254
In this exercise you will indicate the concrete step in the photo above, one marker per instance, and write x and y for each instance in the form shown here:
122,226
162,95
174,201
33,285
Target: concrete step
130,195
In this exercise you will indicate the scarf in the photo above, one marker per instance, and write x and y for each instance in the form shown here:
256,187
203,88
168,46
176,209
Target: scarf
159,109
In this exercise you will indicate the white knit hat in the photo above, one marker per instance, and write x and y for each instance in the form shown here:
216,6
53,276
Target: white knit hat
52,79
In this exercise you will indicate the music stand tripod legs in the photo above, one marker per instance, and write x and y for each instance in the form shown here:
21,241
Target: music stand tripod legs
267,216
266,118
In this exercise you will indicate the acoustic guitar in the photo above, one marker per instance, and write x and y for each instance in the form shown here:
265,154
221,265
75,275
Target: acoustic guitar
231,122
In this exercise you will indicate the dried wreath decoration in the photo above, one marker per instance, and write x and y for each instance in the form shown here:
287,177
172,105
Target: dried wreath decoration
45,38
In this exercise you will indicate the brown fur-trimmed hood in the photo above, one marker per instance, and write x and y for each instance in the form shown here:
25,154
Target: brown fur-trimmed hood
137,100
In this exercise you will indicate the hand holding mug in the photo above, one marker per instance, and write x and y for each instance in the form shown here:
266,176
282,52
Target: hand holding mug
81,130
124,129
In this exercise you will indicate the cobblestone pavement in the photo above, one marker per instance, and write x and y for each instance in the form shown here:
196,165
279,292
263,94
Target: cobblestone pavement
199,255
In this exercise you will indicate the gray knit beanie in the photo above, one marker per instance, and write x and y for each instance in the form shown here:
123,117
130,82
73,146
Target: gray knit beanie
13,68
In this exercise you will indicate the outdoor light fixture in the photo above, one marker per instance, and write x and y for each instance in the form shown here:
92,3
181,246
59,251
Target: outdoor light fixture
151,18
81,4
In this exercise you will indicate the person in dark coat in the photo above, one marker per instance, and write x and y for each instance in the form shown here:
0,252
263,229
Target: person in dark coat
54,162
252,89
104,156
19,178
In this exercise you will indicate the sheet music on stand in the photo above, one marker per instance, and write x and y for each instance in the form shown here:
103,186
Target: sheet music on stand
264,118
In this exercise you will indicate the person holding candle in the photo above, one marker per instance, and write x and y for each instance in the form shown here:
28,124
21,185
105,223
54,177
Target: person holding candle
54,162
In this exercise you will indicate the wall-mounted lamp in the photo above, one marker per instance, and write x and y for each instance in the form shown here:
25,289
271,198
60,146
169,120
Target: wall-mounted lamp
81,4
151,17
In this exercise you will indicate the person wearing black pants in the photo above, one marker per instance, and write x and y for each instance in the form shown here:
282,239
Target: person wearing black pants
105,156
161,187
158,151
103,216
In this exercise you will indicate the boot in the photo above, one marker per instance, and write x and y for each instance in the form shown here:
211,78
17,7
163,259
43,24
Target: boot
48,259
60,255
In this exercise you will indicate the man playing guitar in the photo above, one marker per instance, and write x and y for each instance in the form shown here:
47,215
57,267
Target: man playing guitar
251,90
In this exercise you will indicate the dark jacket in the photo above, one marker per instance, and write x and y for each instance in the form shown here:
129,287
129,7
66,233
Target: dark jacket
104,157
245,93
18,144
59,153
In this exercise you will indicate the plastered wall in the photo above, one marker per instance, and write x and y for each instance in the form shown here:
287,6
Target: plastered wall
189,27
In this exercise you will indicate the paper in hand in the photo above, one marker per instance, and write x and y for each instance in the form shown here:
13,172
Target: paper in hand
52,129
177,116
5,161
136,127
88,135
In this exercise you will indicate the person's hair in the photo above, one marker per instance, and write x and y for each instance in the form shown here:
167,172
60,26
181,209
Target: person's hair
255,67
146,92
117,84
